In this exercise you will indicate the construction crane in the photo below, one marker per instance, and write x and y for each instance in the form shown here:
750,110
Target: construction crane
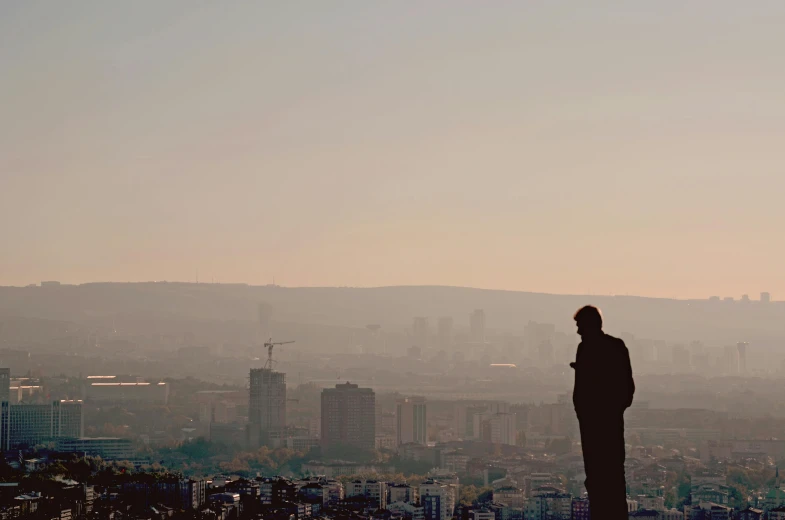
269,345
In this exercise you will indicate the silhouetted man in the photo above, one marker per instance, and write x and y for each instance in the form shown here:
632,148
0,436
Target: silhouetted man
603,390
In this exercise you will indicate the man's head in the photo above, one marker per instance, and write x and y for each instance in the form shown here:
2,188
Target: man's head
589,321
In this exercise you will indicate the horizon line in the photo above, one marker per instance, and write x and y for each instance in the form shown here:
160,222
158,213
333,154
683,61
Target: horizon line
401,286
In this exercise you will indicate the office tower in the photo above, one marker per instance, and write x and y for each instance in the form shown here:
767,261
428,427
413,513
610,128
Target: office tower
410,418
477,326
742,348
445,331
348,417
30,424
745,297
266,405
5,384
420,332
765,297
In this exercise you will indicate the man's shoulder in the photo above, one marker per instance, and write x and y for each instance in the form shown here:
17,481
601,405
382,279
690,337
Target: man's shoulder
613,340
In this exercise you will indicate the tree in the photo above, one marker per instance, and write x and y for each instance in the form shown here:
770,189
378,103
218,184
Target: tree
486,495
468,495
670,499
7,473
79,470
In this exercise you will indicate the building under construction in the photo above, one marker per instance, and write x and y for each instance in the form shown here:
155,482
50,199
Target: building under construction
266,406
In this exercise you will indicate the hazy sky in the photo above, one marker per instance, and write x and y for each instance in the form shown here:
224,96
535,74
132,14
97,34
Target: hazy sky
571,147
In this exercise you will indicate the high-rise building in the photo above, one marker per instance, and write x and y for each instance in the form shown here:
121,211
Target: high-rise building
348,417
420,332
742,348
496,428
266,405
468,416
477,326
410,418
31,424
765,297
445,331
5,384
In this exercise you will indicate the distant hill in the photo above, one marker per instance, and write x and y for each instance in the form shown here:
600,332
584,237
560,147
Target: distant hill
393,308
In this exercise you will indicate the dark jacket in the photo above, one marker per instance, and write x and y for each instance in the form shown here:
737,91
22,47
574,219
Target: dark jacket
603,376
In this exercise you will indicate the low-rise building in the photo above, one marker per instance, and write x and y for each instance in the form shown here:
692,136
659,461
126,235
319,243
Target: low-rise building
108,448
125,389
403,493
438,500
482,514
339,468
655,503
512,496
375,491
750,513
407,511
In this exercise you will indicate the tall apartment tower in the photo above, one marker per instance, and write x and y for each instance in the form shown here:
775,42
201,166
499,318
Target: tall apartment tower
420,331
477,326
444,332
765,297
742,348
348,417
5,384
266,405
410,420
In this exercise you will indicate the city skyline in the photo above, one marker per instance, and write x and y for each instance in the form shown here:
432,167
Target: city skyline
445,260
761,297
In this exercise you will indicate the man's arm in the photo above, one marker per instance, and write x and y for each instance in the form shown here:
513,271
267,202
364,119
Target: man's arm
628,381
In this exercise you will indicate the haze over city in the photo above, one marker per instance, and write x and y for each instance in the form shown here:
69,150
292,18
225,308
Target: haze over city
392,260
611,148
